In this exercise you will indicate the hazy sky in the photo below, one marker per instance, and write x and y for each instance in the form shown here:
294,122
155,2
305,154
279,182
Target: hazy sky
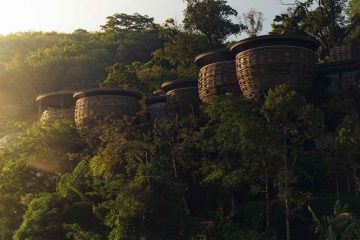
68,15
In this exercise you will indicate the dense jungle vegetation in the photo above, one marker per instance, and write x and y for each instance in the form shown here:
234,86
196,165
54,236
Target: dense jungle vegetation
280,168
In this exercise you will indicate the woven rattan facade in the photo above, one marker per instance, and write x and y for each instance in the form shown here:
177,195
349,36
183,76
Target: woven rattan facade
218,79
181,96
96,105
53,114
56,106
345,52
182,100
270,61
156,108
217,74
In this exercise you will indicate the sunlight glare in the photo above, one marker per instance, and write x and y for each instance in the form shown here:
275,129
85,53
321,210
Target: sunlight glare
35,15
17,16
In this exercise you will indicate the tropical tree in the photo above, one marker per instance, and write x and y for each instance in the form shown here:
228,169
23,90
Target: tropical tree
252,22
211,18
325,20
124,77
354,12
342,224
30,165
243,148
67,213
294,121
144,197
181,47
348,145
122,23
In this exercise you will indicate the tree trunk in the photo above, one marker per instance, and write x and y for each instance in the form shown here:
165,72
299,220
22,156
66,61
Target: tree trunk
233,205
267,201
173,157
287,212
356,190
348,183
286,187
267,196
174,167
357,180
337,186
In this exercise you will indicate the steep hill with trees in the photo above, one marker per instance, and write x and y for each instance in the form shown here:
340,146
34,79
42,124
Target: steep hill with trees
230,170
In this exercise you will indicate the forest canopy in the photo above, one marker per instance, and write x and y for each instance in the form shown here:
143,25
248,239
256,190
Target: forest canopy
284,167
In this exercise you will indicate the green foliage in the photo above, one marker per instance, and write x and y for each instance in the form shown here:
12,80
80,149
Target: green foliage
179,50
144,208
42,219
76,232
124,77
240,134
73,185
67,213
164,181
29,164
354,7
19,185
340,225
51,147
288,110
293,121
143,200
212,19
131,37
35,62
121,22
325,20
135,46
231,231
354,12
347,145
50,216
225,172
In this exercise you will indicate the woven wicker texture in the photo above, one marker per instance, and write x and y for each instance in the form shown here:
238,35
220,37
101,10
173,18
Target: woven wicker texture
52,114
217,79
260,69
182,100
92,109
345,52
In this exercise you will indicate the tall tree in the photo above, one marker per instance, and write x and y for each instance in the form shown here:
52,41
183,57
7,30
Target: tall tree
67,213
294,121
348,145
326,20
243,146
124,77
354,12
211,18
178,52
29,165
122,23
252,22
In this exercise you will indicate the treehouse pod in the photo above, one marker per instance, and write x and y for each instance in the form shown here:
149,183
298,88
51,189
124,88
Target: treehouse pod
181,95
94,105
346,52
336,79
52,107
267,61
55,106
156,107
217,74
